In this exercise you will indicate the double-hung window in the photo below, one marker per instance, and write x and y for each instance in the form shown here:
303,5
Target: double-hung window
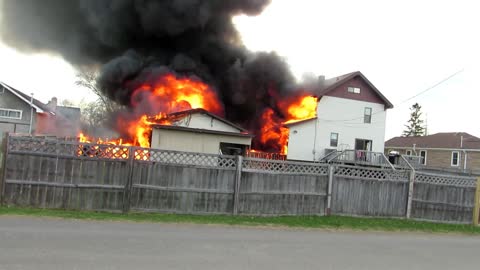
423,156
334,139
367,116
455,158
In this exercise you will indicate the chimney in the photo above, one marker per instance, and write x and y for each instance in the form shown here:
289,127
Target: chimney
52,104
321,80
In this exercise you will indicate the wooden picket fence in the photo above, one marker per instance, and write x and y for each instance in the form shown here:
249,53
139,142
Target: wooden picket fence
47,173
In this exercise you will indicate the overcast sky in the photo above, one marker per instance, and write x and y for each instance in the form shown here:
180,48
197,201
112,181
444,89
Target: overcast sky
402,48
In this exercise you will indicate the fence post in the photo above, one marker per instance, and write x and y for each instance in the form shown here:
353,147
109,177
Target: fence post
411,183
476,209
236,187
129,183
331,170
3,171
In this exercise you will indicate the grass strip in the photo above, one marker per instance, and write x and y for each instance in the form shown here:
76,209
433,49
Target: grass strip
326,222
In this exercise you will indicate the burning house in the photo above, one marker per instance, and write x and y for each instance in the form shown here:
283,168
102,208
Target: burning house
158,58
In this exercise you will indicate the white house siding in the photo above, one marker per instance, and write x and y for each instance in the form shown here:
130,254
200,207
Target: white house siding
301,141
191,141
203,121
342,116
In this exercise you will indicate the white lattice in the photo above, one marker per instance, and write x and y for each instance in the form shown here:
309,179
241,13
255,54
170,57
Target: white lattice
448,180
284,166
368,173
185,158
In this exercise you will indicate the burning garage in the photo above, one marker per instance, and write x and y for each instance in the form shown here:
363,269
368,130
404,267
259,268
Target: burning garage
201,131
160,58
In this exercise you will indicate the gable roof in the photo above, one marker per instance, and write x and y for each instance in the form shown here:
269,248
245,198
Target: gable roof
201,130
203,111
449,140
332,83
36,104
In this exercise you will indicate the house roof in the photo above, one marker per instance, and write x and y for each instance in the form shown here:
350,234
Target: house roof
203,111
289,124
199,130
36,104
450,140
332,83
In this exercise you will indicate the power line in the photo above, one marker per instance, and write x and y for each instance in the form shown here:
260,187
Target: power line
433,86
418,94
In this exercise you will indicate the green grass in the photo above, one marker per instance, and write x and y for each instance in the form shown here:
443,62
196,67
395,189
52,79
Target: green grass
330,222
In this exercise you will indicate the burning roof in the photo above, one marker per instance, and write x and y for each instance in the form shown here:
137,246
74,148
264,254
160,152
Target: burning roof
161,57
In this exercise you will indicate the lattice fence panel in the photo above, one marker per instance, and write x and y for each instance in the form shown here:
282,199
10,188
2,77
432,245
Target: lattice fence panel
185,158
28,144
284,166
371,174
447,180
41,146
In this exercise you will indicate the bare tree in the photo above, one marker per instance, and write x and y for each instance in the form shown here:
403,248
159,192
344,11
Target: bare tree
88,78
95,114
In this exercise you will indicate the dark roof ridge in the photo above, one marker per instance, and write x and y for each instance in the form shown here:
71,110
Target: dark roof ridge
345,77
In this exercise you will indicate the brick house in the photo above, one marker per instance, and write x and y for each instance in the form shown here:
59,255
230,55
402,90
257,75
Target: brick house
453,151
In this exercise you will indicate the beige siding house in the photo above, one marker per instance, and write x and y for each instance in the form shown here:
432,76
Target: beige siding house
454,151
201,131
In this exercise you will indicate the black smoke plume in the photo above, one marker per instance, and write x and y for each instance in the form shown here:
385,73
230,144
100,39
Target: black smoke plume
129,38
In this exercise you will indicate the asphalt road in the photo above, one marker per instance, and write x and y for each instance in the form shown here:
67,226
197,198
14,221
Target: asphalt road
45,243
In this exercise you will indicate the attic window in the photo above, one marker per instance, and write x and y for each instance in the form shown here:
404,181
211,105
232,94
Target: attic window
355,90
2,90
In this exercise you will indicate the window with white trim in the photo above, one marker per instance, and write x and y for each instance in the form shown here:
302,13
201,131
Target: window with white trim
409,152
334,139
423,155
355,90
10,113
367,116
455,158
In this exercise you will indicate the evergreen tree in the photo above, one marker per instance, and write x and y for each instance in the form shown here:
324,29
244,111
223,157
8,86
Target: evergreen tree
415,124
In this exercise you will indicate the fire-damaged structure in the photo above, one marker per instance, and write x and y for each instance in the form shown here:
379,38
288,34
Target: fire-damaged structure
163,57
200,131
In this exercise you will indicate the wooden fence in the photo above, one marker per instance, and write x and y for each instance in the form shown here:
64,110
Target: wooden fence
71,175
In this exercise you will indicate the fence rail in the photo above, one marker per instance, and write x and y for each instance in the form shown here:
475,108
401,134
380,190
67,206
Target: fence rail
47,173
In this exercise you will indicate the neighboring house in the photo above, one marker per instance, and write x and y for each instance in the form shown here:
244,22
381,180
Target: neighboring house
351,115
17,109
451,151
200,131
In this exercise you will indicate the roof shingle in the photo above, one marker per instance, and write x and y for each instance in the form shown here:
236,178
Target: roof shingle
450,140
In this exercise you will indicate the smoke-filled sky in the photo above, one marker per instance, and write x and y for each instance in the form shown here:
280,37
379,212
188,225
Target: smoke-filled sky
403,49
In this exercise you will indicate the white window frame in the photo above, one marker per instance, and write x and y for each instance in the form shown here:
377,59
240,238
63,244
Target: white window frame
424,161
352,89
365,115
458,159
408,152
331,133
12,110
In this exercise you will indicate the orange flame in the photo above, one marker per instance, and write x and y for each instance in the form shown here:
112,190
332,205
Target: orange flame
295,109
169,94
